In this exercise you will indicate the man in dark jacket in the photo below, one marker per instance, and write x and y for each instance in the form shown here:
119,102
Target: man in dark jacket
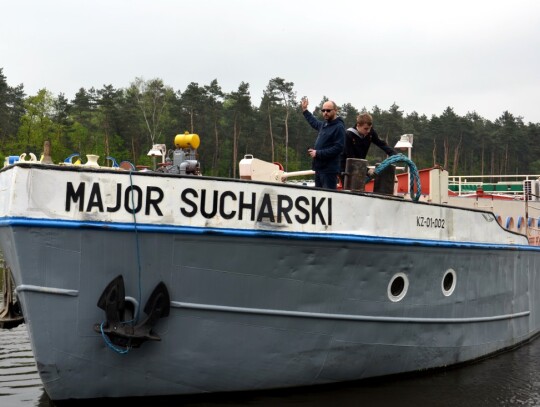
329,144
359,138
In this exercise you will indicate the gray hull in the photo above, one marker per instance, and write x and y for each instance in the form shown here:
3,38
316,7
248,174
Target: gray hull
260,312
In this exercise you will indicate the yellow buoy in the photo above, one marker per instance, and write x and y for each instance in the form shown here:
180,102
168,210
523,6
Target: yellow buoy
187,140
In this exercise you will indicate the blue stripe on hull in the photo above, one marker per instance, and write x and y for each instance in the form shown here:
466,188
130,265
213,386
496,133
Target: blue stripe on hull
172,229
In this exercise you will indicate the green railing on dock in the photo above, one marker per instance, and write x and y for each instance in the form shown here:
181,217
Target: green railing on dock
499,187
496,184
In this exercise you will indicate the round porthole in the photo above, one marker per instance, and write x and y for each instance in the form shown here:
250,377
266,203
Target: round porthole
398,286
448,283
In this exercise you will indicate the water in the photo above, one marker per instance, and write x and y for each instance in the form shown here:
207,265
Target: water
19,381
509,379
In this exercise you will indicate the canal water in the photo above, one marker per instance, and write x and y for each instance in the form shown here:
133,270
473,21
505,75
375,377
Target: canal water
508,379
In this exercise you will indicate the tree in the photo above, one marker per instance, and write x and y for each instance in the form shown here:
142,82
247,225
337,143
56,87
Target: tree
215,97
4,106
476,142
11,107
510,135
453,131
239,103
193,100
348,113
268,101
36,124
389,125
62,123
281,92
82,110
151,97
108,104
417,124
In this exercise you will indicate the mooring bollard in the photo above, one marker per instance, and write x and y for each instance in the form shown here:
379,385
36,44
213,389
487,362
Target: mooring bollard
384,181
355,174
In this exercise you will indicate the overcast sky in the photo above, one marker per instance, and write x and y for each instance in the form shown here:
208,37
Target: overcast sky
423,55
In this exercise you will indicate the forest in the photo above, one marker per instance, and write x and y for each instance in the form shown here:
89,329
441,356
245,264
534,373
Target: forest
125,123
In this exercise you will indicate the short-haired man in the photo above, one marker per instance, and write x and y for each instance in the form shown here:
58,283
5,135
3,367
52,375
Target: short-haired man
359,138
329,144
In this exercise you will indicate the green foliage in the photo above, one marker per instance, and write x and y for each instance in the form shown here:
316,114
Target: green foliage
534,167
124,123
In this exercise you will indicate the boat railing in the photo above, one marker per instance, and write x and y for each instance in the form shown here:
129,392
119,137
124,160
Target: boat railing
512,185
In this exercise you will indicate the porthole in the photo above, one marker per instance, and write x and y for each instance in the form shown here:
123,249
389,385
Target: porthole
448,283
398,286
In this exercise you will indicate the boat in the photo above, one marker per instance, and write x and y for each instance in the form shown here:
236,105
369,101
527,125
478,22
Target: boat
167,282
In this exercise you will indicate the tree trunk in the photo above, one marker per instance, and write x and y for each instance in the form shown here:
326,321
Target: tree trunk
271,133
505,160
456,156
445,150
434,153
106,131
216,153
482,164
287,139
107,150
235,151
133,151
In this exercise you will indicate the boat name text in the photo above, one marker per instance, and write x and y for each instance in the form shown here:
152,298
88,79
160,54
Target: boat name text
275,208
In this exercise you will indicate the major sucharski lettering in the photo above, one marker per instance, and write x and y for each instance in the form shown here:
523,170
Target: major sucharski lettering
207,203
131,199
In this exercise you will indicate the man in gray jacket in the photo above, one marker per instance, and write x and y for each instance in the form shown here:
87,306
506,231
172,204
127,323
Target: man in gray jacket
329,144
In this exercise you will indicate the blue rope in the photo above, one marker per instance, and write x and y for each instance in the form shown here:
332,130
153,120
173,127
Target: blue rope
110,344
415,177
137,242
136,319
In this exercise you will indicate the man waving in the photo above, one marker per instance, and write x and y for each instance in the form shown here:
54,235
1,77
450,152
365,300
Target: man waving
329,144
